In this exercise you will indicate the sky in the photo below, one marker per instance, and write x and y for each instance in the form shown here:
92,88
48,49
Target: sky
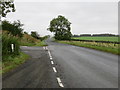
86,17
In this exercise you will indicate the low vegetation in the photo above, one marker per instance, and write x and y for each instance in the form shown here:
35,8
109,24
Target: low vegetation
28,40
7,41
11,62
107,47
41,43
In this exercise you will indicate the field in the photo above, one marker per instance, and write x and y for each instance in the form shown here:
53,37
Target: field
112,39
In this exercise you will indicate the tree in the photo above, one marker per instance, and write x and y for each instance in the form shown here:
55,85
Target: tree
61,27
35,34
25,32
6,6
14,28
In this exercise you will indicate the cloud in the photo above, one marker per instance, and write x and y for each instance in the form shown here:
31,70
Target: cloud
86,17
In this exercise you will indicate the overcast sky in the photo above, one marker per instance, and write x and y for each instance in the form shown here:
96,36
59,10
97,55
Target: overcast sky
86,17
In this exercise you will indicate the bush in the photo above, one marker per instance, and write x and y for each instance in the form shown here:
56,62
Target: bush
7,40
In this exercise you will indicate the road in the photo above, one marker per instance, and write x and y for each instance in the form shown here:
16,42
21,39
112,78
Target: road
76,67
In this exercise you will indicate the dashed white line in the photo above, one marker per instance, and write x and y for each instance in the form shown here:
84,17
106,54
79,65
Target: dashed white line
54,69
49,54
51,58
59,82
52,62
43,47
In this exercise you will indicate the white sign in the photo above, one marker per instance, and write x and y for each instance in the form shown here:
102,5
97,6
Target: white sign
12,46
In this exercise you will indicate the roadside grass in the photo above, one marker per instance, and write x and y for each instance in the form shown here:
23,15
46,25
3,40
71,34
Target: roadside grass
113,39
41,43
111,48
13,62
27,44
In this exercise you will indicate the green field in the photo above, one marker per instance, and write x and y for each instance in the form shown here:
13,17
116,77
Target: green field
113,39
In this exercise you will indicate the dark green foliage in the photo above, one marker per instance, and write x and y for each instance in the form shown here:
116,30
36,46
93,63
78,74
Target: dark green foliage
6,6
7,40
14,28
35,34
25,33
61,27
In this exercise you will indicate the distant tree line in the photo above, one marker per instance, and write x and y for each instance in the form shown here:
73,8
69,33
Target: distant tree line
95,35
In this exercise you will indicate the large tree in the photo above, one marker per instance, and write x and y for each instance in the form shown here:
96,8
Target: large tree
61,28
6,6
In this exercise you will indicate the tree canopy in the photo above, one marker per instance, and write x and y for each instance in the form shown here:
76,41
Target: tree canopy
61,27
6,7
14,28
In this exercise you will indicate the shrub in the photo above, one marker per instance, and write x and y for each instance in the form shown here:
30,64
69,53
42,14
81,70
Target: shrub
7,40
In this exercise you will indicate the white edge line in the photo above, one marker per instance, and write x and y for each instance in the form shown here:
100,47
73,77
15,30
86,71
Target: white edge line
59,82
54,69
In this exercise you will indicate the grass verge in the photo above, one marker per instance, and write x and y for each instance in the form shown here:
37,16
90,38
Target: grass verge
41,43
105,47
12,62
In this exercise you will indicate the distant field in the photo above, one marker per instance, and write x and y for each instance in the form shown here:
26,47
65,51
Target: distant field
113,39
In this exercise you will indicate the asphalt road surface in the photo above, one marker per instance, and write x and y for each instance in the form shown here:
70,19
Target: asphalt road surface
61,65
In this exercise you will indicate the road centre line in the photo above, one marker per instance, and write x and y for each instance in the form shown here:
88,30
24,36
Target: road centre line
59,82
52,62
54,69
51,58
49,54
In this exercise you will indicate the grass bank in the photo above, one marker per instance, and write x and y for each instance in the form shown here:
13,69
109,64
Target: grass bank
39,43
107,47
13,62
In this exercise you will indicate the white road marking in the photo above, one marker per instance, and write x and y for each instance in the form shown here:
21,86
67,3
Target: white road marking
49,54
59,82
52,62
43,47
54,69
